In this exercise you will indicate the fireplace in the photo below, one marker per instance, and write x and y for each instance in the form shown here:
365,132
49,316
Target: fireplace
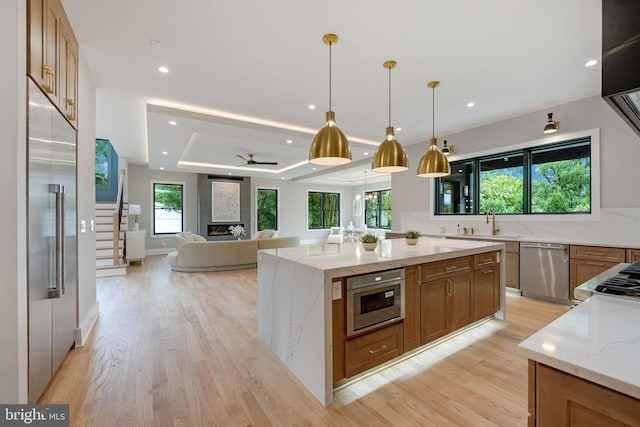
220,230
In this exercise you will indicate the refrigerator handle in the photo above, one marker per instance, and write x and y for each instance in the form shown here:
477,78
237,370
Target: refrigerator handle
58,290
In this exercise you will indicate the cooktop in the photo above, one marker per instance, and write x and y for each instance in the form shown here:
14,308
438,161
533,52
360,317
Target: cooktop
626,282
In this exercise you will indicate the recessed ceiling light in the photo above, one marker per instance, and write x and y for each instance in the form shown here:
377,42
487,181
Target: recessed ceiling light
471,104
313,168
311,107
164,153
398,129
163,69
161,168
229,173
289,141
172,123
282,177
591,63
366,154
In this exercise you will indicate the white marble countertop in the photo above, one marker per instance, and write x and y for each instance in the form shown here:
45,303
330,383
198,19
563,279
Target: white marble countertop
598,340
390,253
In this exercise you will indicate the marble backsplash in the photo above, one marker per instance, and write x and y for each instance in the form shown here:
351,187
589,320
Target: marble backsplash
615,227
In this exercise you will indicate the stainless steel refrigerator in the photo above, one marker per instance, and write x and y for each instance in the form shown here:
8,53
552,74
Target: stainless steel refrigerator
52,244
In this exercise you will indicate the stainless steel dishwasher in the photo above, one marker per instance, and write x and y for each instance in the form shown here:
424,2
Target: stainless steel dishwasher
544,271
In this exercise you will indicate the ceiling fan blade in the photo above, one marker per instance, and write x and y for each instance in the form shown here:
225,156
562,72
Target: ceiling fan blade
266,163
246,160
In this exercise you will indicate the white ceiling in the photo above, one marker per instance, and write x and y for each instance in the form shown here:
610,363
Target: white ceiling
242,74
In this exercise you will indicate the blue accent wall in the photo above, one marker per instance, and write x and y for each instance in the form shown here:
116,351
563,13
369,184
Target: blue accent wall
108,192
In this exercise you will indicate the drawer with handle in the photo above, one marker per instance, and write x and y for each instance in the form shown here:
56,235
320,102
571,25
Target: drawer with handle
449,267
372,349
598,253
485,260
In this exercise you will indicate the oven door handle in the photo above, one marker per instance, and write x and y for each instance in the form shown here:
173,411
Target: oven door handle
375,285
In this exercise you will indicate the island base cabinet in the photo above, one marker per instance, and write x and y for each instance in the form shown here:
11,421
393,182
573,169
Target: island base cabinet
445,305
372,349
560,399
486,292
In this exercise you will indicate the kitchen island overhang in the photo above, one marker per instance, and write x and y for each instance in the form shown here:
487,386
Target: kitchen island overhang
295,293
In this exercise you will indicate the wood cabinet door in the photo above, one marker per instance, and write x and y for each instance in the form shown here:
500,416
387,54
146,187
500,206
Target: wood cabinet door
339,331
566,400
486,292
512,270
35,42
633,255
372,349
460,302
411,307
433,310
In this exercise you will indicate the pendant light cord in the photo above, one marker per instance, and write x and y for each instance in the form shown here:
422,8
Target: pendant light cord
433,113
389,96
330,75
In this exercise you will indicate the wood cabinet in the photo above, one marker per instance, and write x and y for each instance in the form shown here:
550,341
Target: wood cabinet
372,349
633,255
586,262
511,261
339,329
560,399
486,291
52,61
445,305
412,276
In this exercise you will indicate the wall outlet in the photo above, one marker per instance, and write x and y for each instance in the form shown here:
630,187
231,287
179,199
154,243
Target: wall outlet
163,244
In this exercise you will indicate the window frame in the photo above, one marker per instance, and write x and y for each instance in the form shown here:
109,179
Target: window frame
324,225
152,218
594,215
277,190
378,194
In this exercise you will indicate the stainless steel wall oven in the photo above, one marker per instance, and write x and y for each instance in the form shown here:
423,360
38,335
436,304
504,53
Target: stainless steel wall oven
374,300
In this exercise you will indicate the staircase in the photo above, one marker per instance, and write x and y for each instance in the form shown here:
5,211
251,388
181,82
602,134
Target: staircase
109,251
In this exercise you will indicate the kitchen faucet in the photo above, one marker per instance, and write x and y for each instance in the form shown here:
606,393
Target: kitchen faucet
491,210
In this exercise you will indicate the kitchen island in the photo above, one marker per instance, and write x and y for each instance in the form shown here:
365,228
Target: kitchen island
296,288
582,366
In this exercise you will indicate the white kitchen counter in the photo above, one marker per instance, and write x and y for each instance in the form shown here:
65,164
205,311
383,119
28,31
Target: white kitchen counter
295,293
598,340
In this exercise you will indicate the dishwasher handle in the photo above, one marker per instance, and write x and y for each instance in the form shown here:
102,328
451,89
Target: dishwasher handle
544,246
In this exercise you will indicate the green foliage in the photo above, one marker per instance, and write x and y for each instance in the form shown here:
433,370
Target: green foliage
102,162
378,209
562,186
501,190
368,238
412,234
168,197
267,209
323,210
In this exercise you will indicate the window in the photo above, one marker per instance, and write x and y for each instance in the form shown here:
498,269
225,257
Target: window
168,207
501,183
323,210
545,179
455,190
377,209
267,208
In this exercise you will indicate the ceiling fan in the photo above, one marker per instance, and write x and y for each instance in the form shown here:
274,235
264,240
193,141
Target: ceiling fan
250,161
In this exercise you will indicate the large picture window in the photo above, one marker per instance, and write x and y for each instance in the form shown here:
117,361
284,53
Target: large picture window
323,210
545,179
377,209
267,208
168,207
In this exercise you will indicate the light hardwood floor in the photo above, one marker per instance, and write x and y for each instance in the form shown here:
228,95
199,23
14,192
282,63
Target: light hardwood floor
181,349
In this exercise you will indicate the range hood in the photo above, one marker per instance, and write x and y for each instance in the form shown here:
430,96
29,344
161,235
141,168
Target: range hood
620,58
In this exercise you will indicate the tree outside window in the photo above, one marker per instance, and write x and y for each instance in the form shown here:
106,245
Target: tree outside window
168,208
323,210
267,208
377,209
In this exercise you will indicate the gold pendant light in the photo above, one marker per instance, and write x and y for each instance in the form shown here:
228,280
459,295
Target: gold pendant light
433,164
330,146
390,155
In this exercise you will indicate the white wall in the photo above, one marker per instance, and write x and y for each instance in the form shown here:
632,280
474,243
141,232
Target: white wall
293,206
619,174
87,300
139,192
13,286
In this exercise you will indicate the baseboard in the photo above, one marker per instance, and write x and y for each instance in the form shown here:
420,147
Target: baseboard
86,325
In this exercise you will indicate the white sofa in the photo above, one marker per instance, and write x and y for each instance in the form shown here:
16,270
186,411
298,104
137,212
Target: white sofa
202,255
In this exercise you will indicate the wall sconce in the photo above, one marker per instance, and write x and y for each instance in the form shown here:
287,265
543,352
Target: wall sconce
447,149
552,125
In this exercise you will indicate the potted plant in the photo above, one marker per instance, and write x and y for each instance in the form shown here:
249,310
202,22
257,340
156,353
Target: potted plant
411,237
369,241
